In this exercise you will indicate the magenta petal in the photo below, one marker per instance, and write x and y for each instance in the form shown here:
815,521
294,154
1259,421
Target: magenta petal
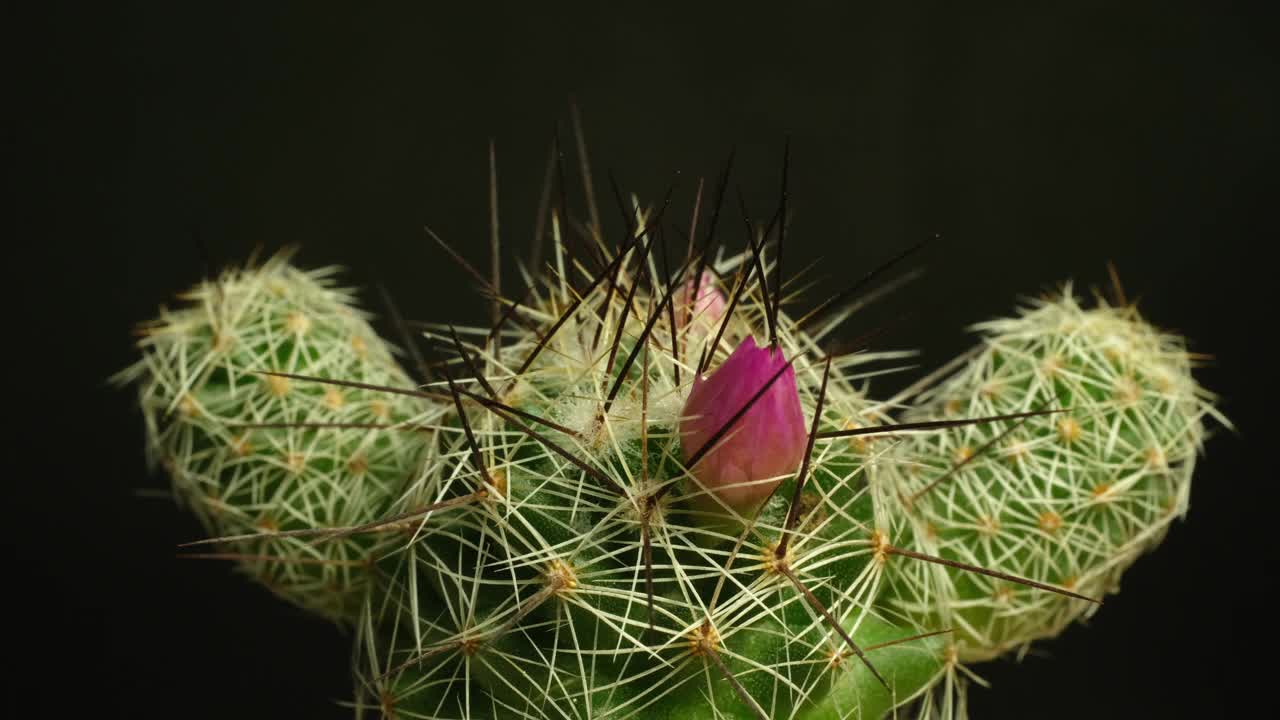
710,305
767,442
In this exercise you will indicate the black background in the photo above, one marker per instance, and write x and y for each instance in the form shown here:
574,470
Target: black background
1039,143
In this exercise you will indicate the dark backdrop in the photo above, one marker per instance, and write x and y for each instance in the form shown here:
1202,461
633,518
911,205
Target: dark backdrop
1038,143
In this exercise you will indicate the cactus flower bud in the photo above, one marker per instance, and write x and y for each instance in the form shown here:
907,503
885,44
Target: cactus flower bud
766,443
709,307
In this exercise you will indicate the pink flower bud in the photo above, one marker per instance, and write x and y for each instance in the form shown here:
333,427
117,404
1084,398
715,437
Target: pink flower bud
766,443
709,308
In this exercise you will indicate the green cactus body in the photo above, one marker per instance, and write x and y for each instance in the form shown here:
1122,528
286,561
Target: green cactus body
1070,498
534,536
539,590
206,403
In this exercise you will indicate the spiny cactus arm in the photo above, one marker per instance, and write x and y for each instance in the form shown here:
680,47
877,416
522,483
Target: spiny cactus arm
1071,498
258,456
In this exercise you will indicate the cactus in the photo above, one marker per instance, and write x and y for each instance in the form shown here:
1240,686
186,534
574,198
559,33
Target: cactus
598,573
648,492
243,449
1071,498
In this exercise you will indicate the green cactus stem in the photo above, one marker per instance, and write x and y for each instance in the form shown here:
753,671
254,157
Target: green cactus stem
259,456
1073,497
